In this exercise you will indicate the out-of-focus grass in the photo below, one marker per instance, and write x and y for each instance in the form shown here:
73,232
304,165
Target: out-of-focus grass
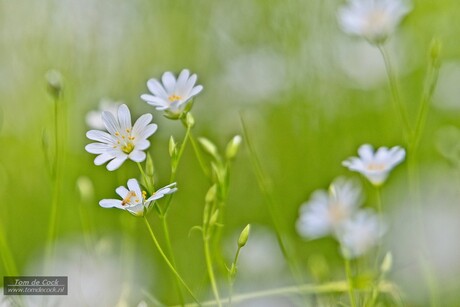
310,117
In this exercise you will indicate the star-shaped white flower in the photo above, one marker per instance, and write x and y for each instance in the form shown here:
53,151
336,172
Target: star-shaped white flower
325,212
373,20
360,233
171,95
123,141
134,199
375,166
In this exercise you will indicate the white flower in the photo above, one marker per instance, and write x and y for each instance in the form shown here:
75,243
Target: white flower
123,141
360,233
373,20
325,212
134,200
375,166
94,118
172,95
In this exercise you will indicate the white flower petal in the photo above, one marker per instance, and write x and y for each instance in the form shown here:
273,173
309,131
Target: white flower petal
110,203
124,118
141,123
100,136
98,148
133,185
169,82
182,80
155,101
102,158
137,155
122,191
117,162
147,131
156,88
111,124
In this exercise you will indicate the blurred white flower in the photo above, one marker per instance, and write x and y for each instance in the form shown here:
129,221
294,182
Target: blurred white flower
172,96
325,212
373,20
94,118
98,275
360,233
134,199
375,166
123,140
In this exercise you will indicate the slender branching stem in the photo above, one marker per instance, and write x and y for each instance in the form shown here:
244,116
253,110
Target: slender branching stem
170,265
351,293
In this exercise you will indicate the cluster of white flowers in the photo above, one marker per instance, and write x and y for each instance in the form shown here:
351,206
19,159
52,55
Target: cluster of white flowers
122,140
337,211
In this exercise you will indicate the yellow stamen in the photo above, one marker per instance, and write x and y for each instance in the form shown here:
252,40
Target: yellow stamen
174,97
128,148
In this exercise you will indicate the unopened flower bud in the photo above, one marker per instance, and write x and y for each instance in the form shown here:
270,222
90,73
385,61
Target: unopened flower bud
435,50
85,188
54,83
214,217
211,195
172,147
189,120
208,146
232,147
243,239
149,168
387,263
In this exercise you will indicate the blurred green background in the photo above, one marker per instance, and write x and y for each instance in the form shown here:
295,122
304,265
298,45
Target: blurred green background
309,94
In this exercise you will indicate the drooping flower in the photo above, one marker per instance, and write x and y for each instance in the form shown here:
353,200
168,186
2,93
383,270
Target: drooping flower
360,233
94,118
134,199
123,141
171,95
325,212
375,166
374,20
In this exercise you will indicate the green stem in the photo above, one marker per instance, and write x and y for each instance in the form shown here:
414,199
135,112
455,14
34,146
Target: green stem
147,181
7,257
210,269
171,254
397,104
331,287
430,86
160,250
264,187
351,294
232,275
199,155
56,174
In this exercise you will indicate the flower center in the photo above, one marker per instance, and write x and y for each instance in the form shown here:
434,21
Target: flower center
127,148
127,199
174,98
125,141
337,213
377,21
375,166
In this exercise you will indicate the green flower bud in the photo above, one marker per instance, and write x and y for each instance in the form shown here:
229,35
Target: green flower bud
387,263
232,147
189,120
211,195
149,169
85,188
214,218
54,83
435,50
172,147
243,239
208,146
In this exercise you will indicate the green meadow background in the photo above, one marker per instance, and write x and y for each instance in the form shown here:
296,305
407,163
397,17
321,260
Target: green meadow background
309,95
